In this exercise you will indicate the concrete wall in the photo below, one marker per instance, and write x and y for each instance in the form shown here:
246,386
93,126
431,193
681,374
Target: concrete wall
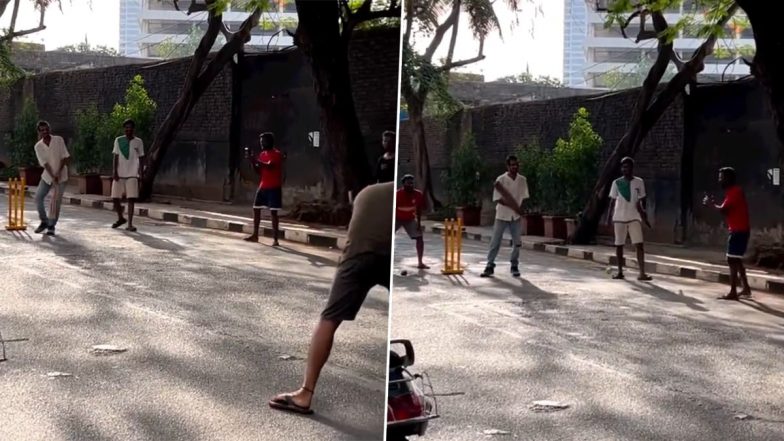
731,125
500,129
716,126
478,93
277,95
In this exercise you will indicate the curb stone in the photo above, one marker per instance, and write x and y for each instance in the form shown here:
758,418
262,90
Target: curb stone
557,247
292,234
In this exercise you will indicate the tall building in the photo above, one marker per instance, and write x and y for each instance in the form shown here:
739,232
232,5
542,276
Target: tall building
608,58
153,28
130,26
575,33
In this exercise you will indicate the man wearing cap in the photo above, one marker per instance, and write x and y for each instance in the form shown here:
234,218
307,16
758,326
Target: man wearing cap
408,215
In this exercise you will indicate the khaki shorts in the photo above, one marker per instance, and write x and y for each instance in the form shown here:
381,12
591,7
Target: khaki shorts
628,229
354,278
127,186
411,228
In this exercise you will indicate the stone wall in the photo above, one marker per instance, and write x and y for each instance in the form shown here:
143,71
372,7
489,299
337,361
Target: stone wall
715,126
500,129
198,163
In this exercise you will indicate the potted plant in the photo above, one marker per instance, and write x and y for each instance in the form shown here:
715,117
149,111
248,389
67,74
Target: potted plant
87,151
570,174
464,180
139,107
532,160
21,142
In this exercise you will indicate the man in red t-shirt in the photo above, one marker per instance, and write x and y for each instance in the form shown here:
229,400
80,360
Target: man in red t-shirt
410,202
736,213
269,195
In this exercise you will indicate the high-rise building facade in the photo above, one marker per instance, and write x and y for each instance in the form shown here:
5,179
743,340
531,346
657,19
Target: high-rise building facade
130,26
149,28
608,57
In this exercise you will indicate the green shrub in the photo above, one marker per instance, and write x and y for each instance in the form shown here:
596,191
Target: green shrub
88,146
465,176
561,181
21,141
140,108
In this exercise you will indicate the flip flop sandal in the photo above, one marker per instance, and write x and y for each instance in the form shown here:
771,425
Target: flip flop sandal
619,277
119,223
131,229
645,279
287,404
728,298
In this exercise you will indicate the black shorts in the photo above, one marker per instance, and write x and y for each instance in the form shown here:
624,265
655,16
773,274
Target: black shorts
737,244
269,198
354,278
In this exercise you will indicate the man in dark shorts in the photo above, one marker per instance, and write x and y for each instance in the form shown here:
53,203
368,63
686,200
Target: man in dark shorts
408,215
364,264
269,196
736,213
385,168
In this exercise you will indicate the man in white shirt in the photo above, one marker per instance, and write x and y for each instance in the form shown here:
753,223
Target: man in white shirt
627,213
54,158
509,192
128,162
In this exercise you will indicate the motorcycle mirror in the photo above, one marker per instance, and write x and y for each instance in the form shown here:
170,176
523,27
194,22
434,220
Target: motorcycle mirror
408,355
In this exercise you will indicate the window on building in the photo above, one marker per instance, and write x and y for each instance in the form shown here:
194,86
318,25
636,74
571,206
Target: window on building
168,5
618,55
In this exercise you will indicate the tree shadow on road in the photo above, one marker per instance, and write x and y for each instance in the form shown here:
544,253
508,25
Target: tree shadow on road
313,259
151,241
759,306
668,296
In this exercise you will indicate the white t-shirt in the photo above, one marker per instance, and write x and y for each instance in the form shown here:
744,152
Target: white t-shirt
626,201
52,154
518,188
128,167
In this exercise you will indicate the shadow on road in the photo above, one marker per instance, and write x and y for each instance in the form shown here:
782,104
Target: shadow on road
668,296
154,242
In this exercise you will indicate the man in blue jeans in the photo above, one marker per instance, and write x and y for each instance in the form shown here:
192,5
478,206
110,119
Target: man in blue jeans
511,189
54,158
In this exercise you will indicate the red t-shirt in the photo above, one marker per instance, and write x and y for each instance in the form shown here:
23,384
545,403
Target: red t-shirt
736,210
271,177
408,203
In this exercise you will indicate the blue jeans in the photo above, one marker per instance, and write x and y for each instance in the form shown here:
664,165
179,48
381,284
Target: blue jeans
516,230
40,195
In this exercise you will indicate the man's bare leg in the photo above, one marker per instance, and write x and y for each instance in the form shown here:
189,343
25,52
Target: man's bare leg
619,256
118,208
641,262
733,294
275,224
131,205
746,288
420,248
256,221
320,348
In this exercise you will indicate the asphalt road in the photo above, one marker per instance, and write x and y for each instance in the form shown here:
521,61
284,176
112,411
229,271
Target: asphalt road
633,361
209,323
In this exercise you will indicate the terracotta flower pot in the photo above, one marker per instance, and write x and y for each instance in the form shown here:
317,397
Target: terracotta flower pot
472,216
533,225
571,227
89,183
31,175
555,227
106,185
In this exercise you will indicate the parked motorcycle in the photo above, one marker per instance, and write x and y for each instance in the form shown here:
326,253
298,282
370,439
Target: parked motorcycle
412,403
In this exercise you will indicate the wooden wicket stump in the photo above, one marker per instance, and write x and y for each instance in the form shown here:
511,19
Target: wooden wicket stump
16,205
453,247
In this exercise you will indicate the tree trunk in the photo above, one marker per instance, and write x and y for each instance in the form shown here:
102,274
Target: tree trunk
628,145
766,66
319,37
645,116
197,80
422,172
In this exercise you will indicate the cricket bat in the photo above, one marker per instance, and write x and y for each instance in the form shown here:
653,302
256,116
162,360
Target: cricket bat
54,207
